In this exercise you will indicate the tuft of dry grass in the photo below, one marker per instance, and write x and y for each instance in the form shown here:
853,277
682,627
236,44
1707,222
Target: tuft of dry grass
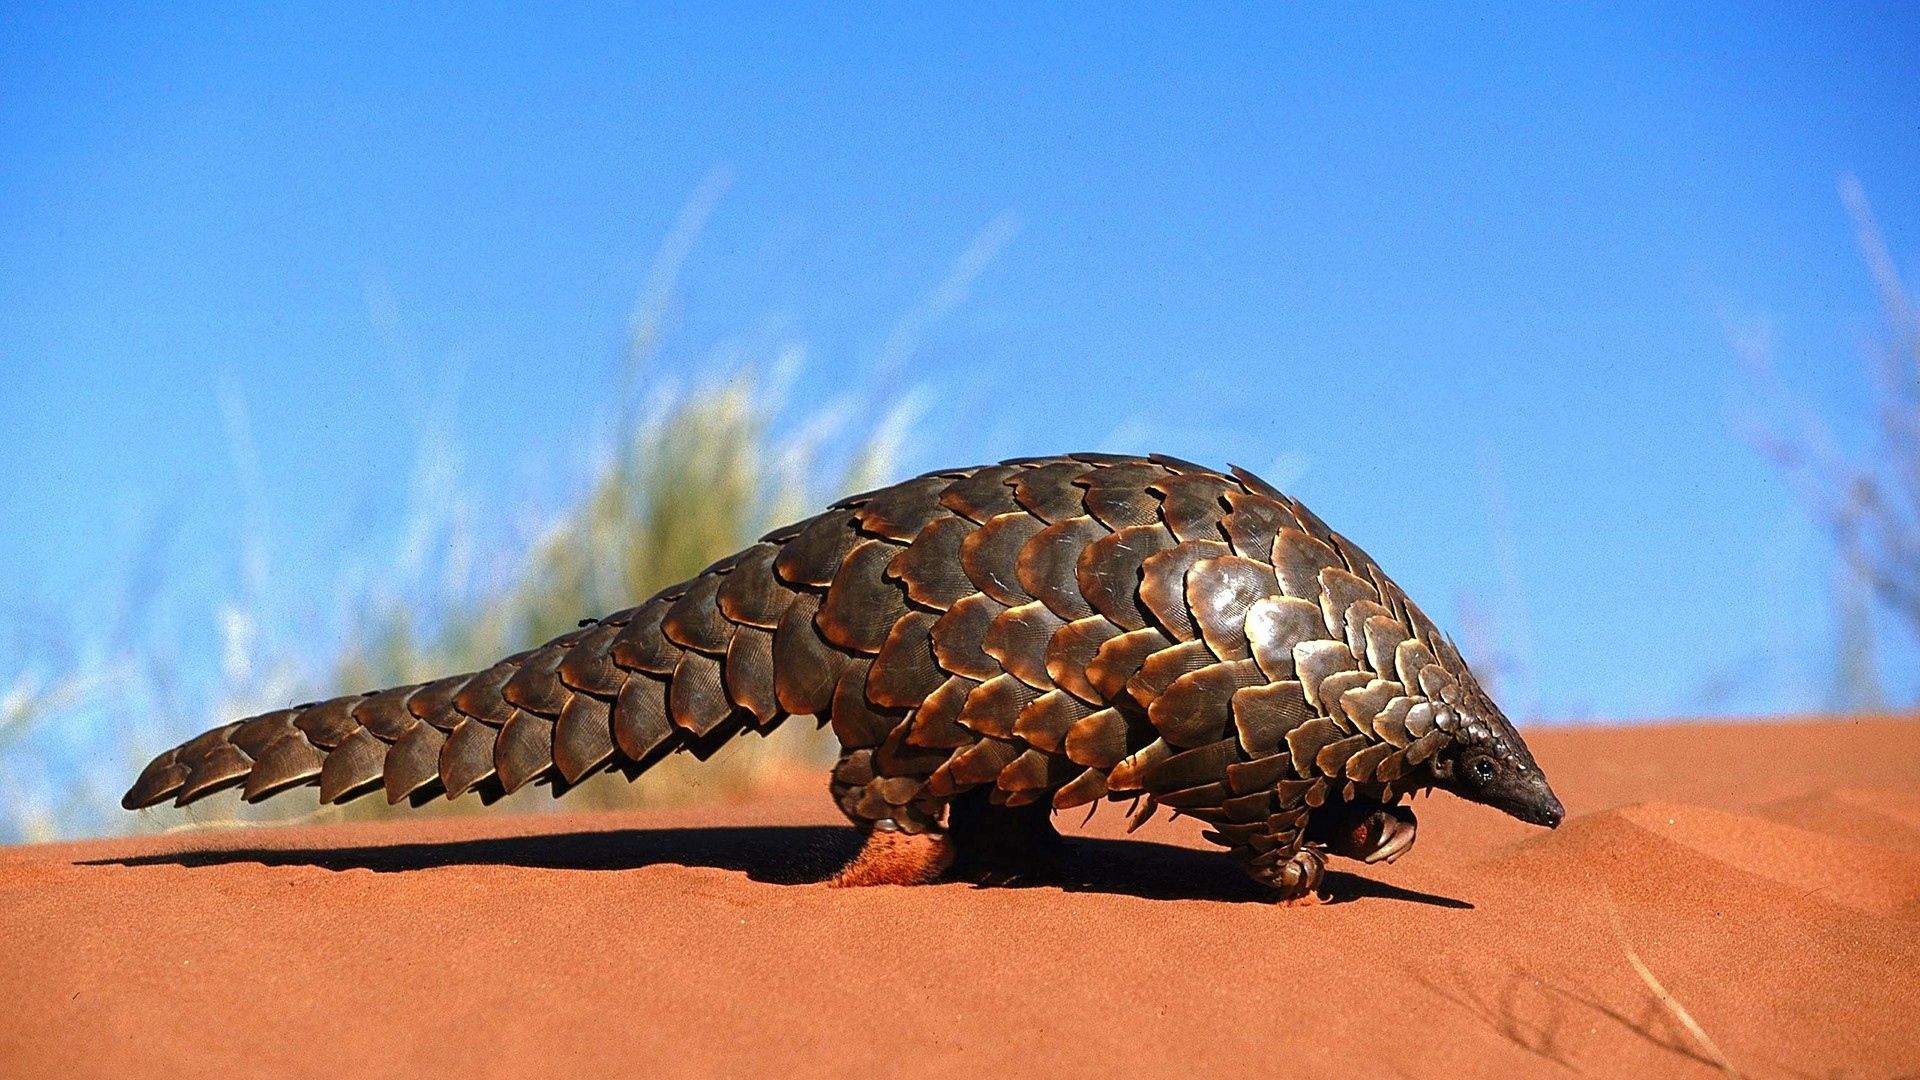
1664,997
693,474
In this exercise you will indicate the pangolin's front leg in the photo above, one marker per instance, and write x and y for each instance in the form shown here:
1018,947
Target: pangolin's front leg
1368,832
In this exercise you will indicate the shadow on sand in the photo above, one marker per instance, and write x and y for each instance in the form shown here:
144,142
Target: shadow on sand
792,855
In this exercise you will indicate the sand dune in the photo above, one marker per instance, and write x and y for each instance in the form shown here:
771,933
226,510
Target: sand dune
1768,875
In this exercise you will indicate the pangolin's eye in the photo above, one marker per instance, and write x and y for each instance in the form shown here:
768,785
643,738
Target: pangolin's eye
1481,768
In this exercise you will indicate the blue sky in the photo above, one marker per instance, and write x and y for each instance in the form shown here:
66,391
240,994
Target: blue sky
1469,284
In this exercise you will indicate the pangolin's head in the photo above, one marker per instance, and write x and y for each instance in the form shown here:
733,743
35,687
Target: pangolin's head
1487,762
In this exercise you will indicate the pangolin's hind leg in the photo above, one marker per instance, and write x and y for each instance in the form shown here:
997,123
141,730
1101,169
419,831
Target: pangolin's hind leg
905,844
1003,845
893,856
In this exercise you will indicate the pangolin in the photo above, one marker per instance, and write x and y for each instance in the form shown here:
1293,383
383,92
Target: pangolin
989,645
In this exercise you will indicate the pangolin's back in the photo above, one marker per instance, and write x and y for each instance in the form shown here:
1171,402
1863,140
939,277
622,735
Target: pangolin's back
1066,627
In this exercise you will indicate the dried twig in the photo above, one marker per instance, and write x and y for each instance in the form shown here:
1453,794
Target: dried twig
1663,996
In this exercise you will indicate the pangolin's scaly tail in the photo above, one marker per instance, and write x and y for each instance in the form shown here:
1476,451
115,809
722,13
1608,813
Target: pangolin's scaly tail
688,669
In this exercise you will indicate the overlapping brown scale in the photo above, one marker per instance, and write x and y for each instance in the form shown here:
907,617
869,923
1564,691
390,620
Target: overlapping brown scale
1159,670
1205,764
901,511
1309,520
1362,704
1198,707
467,758
929,568
162,777
523,751
1294,792
1248,809
1332,758
1297,561
1410,658
1045,721
536,686
1109,572
1048,491
1355,622
898,757
898,790
1336,686
980,763
1420,718
1426,746
854,769
697,697
352,768
1072,648
905,671
1362,564
215,768
1130,773
990,555
641,725
856,723
805,668
861,605
1383,635
1275,625
1339,590
1360,767
1048,566
1436,682
1163,579
1392,767
1090,785
1260,774
1118,494
994,705
481,698
694,621
1117,661
1033,771
207,741
1264,714
1254,484
1192,504
434,702
936,723
983,495
1196,801
1179,465
1252,521
583,737
959,634
1390,723
1306,741
747,673
751,594
328,723
1313,661
253,736
1017,639
385,713
412,765
814,554
289,762
1098,740
1220,593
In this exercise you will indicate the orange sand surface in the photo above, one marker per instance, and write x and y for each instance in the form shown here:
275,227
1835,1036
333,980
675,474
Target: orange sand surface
1767,875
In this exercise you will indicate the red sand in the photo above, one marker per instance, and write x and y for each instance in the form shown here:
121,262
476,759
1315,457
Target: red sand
1767,874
